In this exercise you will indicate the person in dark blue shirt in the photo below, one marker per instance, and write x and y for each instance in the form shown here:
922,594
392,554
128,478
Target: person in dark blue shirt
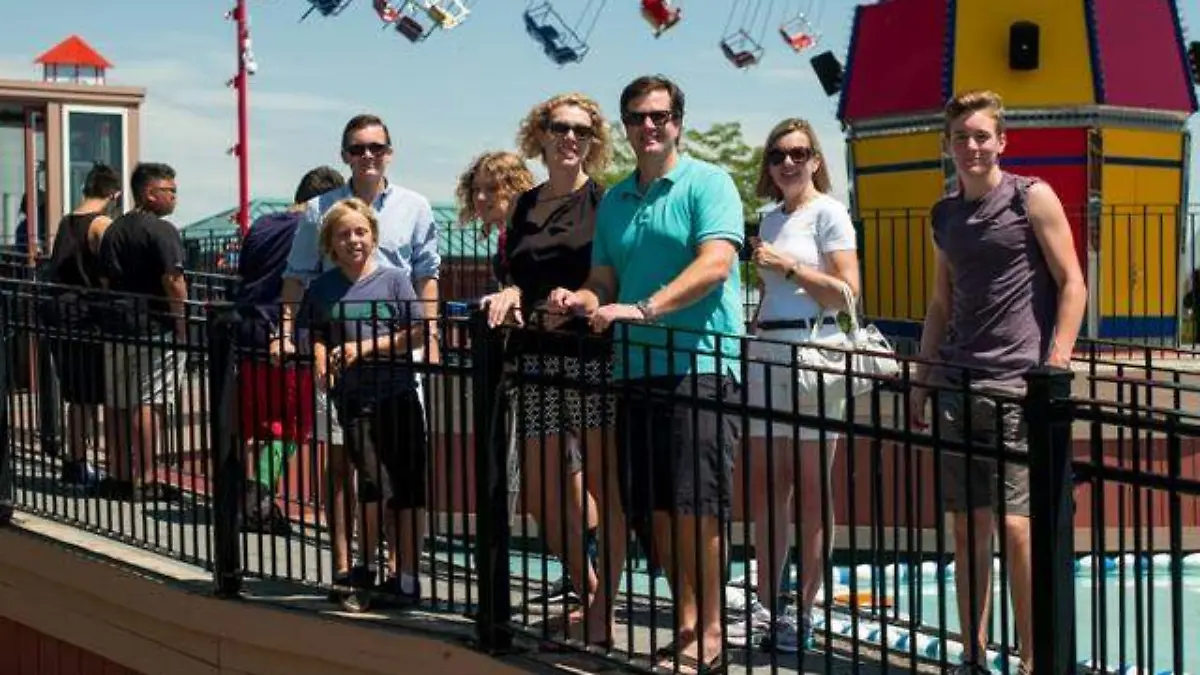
276,399
365,324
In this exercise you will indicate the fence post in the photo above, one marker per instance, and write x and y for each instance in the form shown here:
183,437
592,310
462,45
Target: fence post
1052,512
492,527
7,340
227,473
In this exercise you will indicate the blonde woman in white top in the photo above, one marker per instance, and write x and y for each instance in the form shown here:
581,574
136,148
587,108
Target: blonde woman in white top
804,257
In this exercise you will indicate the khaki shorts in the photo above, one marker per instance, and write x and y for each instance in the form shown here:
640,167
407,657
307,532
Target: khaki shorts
994,424
140,374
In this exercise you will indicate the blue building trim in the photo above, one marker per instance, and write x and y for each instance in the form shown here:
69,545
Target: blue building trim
950,38
848,74
1183,57
1089,17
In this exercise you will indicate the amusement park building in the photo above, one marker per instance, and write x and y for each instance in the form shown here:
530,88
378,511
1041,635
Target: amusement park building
1098,94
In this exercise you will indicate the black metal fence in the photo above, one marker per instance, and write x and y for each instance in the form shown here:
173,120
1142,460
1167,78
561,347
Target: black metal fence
859,562
1140,263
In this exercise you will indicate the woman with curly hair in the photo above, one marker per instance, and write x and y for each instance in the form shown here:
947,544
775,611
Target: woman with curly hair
485,193
549,244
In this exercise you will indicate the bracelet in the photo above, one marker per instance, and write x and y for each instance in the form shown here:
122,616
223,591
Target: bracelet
790,273
646,310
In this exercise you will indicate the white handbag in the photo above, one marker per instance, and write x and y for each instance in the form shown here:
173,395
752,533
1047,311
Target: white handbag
821,361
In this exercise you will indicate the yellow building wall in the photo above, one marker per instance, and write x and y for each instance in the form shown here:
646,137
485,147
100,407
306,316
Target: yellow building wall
1064,73
1138,240
897,254
885,150
893,207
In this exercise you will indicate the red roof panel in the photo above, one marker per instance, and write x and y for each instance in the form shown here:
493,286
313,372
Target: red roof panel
73,52
897,59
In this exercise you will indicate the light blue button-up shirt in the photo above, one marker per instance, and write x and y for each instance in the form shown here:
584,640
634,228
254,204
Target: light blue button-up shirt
407,234
649,239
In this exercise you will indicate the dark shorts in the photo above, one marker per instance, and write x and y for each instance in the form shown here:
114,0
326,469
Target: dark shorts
80,367
388,447
674,455
994,424
275,402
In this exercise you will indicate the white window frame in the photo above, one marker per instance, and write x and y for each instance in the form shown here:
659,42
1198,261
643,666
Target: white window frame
126,170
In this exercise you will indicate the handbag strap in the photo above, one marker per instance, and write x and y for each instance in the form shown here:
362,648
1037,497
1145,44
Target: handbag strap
848,298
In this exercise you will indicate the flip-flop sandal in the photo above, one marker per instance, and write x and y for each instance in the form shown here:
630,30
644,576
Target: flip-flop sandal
558,623
690,665
558,646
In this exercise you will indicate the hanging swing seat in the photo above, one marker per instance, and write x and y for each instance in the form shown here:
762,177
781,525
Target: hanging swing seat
798,33
741,50
386,11
660,15
326,8
558,39
447,13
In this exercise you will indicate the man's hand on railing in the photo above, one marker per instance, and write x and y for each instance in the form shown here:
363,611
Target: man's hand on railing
563,301
917,398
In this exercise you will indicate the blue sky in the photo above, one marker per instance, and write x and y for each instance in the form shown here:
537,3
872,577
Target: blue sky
446,99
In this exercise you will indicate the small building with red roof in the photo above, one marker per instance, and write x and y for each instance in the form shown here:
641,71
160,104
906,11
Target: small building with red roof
53,130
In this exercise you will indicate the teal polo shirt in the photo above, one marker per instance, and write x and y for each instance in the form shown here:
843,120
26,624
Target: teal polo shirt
649,239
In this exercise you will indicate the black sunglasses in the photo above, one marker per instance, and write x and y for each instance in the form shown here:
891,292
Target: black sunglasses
360,149
583,132
658,117
775,156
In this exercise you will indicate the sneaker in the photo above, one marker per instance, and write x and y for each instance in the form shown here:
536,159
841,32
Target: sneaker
743,632
80,472
560,591
790,634
970,668
359,576
401,599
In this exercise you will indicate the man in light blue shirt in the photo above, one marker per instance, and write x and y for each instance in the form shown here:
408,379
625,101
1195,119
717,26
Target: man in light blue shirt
664,271
407,241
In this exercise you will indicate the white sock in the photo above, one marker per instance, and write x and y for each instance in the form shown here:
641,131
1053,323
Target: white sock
408,583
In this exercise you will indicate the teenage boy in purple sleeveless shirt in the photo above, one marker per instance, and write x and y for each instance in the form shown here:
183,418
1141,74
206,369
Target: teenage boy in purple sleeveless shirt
1009,296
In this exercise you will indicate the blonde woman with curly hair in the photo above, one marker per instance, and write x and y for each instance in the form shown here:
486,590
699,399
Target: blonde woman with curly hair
485,193
548,245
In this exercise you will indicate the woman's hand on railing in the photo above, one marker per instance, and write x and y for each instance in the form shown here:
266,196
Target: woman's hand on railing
503,304
281,348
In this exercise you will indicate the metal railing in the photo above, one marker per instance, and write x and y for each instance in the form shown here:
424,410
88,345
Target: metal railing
1113,489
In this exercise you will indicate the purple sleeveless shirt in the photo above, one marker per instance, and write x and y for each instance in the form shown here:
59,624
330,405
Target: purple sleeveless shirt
1004,299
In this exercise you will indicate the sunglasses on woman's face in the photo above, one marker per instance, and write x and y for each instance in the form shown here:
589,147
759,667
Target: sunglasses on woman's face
775,156
360,149
583,132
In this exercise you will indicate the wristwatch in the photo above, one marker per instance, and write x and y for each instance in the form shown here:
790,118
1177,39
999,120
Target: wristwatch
644,308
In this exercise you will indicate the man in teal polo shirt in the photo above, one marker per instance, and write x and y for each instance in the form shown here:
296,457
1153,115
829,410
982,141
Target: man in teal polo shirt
664,271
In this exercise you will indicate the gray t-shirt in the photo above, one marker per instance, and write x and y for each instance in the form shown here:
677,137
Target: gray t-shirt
336,311
1004,299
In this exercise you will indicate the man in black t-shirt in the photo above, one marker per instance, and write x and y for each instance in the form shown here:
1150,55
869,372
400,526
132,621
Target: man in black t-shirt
142,254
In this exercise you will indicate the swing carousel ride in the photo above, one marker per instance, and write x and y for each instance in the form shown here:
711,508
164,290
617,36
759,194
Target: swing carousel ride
564,36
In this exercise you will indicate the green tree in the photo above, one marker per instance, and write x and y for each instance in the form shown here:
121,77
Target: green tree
721,144
623,159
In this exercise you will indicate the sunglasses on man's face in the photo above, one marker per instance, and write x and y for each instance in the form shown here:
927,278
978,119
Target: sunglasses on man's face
583,132
637,119
360,149
775,156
